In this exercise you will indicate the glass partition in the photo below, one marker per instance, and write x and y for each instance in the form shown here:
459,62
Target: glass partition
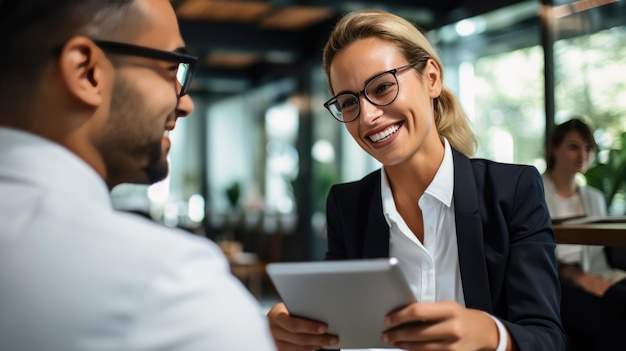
494,63
590,83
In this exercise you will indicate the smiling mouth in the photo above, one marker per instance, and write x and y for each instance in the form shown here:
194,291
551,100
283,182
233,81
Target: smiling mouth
385,134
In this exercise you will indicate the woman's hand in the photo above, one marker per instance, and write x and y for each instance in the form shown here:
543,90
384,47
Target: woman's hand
297,334
441,326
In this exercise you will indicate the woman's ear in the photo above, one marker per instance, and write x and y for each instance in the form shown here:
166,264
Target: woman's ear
81,66
432,73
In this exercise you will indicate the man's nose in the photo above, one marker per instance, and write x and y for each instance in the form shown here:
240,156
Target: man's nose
185,106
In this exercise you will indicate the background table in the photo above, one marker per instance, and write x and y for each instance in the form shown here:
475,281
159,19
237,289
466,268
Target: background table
606,234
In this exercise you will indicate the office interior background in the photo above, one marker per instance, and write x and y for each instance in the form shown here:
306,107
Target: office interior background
254,162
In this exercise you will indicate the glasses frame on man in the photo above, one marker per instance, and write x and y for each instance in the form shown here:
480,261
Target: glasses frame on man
334,107
186,63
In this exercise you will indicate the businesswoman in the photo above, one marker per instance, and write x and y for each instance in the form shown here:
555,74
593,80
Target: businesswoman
473,237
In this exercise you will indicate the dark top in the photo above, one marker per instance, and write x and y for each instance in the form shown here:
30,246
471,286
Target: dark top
505,242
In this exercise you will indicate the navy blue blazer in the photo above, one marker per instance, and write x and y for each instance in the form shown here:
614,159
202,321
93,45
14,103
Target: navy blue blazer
505,242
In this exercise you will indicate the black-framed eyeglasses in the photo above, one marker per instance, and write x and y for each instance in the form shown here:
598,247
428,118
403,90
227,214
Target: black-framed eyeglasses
380,90
186,63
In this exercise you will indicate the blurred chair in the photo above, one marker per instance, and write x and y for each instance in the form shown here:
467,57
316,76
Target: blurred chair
252,249
244,265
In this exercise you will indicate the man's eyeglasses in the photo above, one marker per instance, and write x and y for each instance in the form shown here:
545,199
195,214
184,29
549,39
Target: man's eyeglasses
380,90
186,63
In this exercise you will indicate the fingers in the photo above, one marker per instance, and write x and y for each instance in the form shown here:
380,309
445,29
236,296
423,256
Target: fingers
421,326
297,334
279,317
304,336
440,326
423,312
419,333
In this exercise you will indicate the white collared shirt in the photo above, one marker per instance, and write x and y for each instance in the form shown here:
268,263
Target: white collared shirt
587,201
432,268
77,275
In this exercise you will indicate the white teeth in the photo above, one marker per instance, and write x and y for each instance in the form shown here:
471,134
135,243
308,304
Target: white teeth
166,133
385,134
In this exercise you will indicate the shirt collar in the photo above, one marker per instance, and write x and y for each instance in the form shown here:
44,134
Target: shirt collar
441,187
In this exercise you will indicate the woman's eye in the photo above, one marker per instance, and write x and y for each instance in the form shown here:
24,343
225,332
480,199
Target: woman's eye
348,103
381,89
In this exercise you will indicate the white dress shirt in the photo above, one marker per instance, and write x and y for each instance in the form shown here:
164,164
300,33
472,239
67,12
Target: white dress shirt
77,275
587,201
431,268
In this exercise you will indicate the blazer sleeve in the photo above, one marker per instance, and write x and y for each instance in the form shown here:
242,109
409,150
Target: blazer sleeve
531,282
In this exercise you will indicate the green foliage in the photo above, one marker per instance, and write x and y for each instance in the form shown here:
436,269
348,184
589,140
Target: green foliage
324,176
610,176
233,192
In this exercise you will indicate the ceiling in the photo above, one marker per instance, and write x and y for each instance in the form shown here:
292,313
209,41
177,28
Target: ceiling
244,43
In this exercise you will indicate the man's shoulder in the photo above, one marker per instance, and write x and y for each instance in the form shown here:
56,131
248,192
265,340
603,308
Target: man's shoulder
149,234
127,237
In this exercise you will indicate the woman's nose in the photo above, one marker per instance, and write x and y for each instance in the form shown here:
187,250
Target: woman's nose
369,111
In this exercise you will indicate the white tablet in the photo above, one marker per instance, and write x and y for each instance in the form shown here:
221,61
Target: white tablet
352,296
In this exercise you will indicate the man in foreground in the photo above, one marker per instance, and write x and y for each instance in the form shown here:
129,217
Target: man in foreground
89,90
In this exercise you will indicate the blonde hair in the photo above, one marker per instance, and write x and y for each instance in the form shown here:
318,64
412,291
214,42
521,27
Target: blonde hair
450,118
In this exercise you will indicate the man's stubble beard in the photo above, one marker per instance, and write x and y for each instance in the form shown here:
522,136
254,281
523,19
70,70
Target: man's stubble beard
128,139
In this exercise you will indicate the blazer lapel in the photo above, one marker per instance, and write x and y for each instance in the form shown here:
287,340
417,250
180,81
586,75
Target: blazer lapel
376,236
470,239
469,231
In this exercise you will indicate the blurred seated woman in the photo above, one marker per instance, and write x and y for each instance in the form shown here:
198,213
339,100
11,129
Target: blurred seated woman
593,293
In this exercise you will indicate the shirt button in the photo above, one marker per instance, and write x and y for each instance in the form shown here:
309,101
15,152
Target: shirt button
430,230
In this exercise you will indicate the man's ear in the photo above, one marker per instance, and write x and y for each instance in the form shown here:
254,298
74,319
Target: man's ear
81,66
432,73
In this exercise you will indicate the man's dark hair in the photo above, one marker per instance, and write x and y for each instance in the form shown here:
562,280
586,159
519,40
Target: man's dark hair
31,29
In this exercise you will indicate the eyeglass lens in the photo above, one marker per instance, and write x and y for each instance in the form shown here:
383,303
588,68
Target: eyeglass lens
182,77
381,90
